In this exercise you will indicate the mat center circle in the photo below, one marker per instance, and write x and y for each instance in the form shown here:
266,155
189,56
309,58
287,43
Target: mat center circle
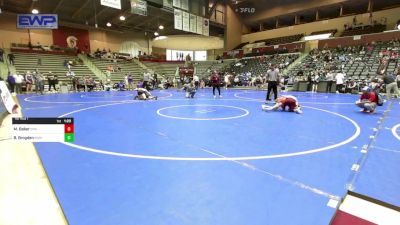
202,112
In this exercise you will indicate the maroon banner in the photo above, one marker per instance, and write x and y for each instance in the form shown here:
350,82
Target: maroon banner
72,38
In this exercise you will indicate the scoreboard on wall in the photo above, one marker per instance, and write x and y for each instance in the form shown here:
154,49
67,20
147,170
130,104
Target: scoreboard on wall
43,129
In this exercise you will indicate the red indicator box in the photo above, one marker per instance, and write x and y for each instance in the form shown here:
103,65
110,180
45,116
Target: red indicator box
68,128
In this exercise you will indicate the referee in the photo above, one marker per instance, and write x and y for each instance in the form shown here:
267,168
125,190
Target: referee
273,81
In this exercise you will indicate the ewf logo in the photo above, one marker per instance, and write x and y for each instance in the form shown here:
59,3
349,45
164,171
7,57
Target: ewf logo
40,21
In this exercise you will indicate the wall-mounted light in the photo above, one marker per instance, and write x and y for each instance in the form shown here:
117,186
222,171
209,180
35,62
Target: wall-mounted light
108,24
317,37
122,18
35,11
161,27
155,33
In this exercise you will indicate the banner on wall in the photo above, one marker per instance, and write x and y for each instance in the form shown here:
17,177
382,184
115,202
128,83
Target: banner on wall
68,37
185,21
37,21
193,23
206,27
7,99
185,5
176,3
177,19
111,3
139,7
167,3
199,25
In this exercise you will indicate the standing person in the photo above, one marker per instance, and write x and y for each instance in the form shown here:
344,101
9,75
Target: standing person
50,81
130,81
315,82
273,81
368,100
11,58
196,81
391,84
215,80
11,82
398,78
39,61
339,82
146,80
19,79
1,55
29,81
227,81
309,81
39,82
329,79
126,82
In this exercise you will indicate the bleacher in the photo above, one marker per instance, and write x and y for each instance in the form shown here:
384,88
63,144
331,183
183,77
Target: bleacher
359,66
259,65
204,68
360,30
240,46
50,63
165,69
282,40
332,31
126,67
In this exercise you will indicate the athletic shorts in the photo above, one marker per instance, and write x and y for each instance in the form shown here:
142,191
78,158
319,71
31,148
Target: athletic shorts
289,102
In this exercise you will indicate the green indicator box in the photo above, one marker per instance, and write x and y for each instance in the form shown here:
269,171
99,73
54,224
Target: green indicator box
69,137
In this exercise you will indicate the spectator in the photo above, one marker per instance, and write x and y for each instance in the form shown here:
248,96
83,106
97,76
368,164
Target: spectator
39,82
50,81
29,81
39,61
19,80
339,82
11,58
130,81
390,81
1,55
146,79
368,100
315,82
11,82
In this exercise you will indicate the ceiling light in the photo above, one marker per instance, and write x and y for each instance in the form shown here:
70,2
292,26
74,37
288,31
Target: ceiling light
155,33
160,38
35,11
122,18
108,24
161,27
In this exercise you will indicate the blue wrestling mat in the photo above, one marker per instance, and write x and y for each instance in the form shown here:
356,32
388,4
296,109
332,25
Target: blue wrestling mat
216,161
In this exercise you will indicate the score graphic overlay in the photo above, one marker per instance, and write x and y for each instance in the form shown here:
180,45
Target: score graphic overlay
43,129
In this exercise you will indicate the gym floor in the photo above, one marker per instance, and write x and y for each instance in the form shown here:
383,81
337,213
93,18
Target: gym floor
216,161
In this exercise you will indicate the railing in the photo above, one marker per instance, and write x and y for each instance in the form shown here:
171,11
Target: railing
92,67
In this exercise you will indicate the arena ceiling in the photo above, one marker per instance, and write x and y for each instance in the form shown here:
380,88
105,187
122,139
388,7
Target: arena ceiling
89,12
268,11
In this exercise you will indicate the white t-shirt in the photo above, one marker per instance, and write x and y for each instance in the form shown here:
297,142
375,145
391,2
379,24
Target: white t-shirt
339,78
195,78
18,79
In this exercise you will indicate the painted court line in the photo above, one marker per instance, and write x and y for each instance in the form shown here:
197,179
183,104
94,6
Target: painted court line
246,112
101,151
394,131
319,103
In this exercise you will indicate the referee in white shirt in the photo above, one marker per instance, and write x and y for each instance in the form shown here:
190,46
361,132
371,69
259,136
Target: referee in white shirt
273,81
